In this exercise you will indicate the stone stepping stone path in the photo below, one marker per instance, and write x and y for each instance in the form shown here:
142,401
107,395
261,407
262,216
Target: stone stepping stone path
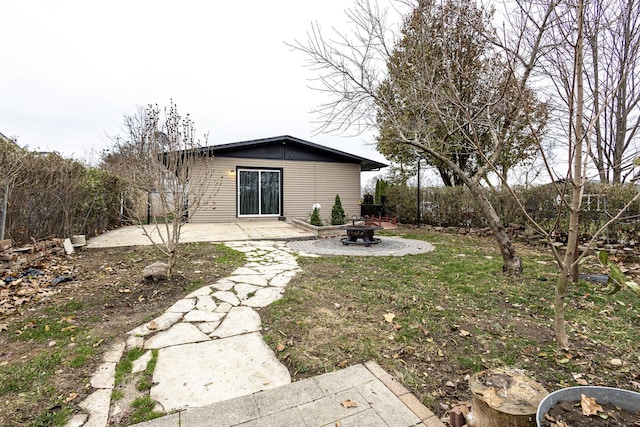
209,343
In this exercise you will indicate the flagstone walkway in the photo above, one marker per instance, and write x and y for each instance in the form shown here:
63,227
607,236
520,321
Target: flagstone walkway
209,345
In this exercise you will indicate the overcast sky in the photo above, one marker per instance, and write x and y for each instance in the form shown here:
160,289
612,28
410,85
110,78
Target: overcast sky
70,69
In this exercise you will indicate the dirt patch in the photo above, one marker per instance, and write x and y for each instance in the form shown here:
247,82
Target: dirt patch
570,414
72,323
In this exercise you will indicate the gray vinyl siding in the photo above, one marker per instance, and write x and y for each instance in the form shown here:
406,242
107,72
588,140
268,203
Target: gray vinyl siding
304,183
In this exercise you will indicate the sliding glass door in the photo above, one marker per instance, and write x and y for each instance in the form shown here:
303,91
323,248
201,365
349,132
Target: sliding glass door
259,192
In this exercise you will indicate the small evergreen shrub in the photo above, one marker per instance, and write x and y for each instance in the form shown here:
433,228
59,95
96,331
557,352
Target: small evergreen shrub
315,218
337,213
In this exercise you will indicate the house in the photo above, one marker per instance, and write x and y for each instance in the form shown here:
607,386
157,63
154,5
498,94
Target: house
278,178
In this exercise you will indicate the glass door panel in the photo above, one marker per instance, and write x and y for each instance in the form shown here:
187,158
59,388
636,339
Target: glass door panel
270,193
248,193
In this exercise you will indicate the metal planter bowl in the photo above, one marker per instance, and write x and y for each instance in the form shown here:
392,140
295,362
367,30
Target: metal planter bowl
624,399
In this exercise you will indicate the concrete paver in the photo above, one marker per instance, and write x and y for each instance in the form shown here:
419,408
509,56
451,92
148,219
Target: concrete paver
369,418
227,413
382,400
172,420
133,235
335,382
329,409
279,399
287,418
314,402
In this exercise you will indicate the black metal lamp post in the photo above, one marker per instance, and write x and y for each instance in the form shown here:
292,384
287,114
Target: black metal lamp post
419,210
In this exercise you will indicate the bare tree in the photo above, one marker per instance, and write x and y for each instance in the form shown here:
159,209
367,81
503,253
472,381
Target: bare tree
552,36
612,36
156,157
438,89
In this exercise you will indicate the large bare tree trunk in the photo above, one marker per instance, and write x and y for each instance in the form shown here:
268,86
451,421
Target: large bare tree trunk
511,264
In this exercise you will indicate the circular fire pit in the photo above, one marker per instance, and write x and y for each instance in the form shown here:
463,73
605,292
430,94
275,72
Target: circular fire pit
363,232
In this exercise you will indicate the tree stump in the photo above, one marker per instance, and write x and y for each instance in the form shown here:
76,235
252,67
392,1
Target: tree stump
503,398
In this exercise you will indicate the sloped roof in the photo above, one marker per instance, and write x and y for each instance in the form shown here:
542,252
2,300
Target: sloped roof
287,147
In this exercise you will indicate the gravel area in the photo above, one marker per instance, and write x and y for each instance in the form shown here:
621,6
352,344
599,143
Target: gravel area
388,246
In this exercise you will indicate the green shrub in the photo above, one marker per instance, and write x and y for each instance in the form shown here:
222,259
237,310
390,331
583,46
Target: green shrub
337,212
402,203
315,218
381,191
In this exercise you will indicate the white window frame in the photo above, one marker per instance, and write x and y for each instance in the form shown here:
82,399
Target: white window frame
238,198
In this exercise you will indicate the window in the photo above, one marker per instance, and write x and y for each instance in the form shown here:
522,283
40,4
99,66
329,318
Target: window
259,192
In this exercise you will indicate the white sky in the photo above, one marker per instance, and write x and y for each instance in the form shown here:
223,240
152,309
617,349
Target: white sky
71,69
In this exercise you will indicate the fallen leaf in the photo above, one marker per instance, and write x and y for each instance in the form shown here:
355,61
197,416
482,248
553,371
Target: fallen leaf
615,362
280,347
98,343
71,397
29,325
153,325
349,403
464,333
4,327
389,317
589,405
47,328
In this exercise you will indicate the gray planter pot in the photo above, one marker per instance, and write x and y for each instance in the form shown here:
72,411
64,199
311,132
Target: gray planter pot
624,399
